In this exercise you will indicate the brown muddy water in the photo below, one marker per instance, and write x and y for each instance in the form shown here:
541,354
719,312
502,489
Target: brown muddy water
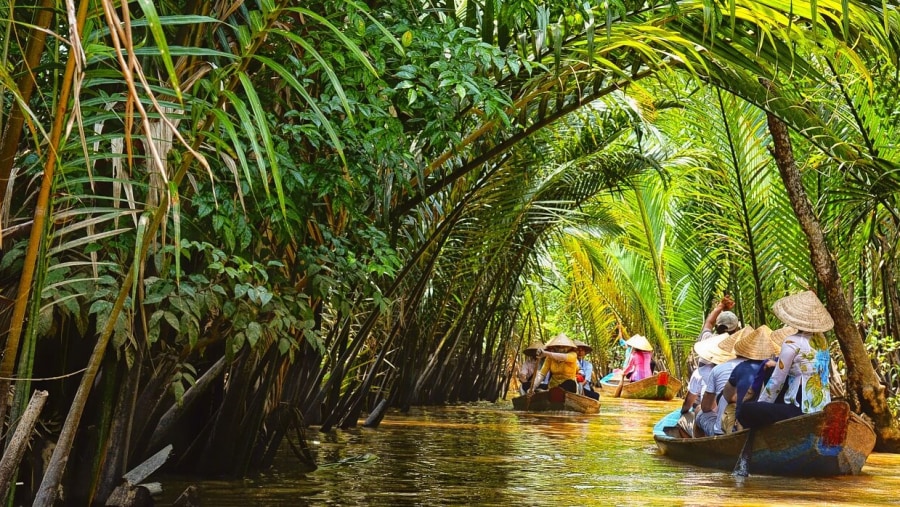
488,454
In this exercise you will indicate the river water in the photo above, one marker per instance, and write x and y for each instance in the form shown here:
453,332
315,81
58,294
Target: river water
488,454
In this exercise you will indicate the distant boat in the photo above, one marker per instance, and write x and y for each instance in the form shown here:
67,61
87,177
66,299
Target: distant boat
556,399
661,386
832,442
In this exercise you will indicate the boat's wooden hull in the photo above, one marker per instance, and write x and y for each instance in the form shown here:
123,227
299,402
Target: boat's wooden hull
557,399
828,443
658,387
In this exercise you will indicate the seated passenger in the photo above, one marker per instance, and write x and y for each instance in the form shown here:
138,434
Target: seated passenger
757,347
584,376
638,366
720,320
561,363
710,355
799,383
712,407
529,366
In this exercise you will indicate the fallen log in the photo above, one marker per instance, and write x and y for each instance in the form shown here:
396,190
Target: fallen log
131,493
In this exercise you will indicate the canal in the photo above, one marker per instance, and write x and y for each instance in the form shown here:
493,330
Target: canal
487,454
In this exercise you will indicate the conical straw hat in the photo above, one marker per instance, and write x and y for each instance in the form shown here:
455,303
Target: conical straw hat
756,345
581,345
709,350
532,349
639,342
803,311
727,345
561,340
779,335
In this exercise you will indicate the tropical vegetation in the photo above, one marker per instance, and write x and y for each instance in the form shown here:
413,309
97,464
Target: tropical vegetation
223,223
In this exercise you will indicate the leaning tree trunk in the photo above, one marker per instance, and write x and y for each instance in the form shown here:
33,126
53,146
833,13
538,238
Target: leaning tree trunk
865,392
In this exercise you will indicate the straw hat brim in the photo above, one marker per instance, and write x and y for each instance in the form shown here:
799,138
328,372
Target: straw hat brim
561,340
779,335
757,345
803,311
727,345
582,345
709,350
532,349
639,342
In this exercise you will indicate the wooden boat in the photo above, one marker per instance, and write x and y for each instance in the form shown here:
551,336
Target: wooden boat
832,442
661,386
557,399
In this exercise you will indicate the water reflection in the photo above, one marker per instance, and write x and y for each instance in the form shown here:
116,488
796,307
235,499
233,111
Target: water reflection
490,455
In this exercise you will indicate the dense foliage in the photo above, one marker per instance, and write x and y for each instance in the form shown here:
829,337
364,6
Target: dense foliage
227,221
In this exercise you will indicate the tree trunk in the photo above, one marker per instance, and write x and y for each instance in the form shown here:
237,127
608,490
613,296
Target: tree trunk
864,391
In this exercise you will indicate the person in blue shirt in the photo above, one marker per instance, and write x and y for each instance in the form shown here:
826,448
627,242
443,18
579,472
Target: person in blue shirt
585,374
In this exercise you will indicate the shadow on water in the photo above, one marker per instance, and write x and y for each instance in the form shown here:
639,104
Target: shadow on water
487,454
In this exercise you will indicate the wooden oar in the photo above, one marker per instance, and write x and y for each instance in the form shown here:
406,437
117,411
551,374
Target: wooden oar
742,467
534,382
621,385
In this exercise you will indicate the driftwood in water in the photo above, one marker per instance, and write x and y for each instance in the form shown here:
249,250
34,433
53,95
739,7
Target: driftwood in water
131,493
19,441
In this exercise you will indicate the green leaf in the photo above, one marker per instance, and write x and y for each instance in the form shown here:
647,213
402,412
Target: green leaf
159,36
254,332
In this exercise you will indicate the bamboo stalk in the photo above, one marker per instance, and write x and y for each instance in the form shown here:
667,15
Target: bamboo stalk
33,51
36,237
19,441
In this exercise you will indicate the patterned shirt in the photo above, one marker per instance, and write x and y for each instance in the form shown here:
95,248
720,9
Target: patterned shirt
802,365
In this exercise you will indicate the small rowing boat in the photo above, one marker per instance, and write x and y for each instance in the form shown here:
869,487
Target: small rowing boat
832,442
661,386
556,399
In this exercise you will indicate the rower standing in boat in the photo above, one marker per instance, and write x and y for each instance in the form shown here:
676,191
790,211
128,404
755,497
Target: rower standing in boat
529,366
585,373
561,363
799,384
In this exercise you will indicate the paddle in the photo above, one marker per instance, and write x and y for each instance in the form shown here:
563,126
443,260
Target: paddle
621,384
622,380
534,383
742,467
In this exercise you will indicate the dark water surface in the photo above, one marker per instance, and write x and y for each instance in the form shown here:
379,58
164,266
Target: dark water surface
487,454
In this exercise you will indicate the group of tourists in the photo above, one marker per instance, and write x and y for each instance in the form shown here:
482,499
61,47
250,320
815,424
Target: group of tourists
562,362
749,377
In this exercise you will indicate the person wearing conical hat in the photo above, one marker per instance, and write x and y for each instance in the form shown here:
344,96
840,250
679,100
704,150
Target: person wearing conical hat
709,421
710,354
757,347
584,376
638,366
799,381
561,363
529,366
